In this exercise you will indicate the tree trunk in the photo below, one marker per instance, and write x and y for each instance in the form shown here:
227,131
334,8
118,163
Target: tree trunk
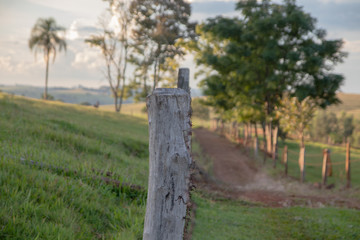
155,74
123,79
170,160
264,136
302,164
269,137
256,141
325,167
275,145
46,77
116,102
302,139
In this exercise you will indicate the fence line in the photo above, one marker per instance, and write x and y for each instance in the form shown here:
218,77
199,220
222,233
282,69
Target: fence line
324,158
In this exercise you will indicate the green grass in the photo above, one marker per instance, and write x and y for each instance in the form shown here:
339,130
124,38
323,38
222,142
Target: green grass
53,157
66,198
237,220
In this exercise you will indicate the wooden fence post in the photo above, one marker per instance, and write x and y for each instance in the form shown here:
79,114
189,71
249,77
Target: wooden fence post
347,166
170,160
184,83
302,164
285,159
325,167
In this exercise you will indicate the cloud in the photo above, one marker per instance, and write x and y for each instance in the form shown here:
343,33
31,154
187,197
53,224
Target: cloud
82,7
88,58
80,29
12,65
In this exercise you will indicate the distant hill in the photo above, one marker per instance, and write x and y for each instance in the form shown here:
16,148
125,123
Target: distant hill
350,104
74,95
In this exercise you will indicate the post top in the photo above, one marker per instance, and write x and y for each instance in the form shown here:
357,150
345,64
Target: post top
169,91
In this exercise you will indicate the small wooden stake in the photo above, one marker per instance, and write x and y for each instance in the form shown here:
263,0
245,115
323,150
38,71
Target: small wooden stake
184,79
347,166
324,166
302,164
285,159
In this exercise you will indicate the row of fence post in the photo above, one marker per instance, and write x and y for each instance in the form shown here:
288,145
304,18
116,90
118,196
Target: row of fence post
326,165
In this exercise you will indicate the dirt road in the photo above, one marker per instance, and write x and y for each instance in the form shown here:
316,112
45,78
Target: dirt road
239,177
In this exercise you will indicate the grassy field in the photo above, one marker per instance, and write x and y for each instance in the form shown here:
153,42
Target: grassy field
59,169
224,220
52,159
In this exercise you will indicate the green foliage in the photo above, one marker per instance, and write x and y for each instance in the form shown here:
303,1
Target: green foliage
329,128
199,109
64,196
159,25
45,38
251,60
295,115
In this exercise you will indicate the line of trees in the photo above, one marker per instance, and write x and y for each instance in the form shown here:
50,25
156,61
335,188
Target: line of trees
331,129
249,62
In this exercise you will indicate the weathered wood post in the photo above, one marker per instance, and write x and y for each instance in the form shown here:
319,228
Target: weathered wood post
302,164
347,166
325,166
285,159
170,160
184,83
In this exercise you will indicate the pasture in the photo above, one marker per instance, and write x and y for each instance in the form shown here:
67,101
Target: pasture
75,172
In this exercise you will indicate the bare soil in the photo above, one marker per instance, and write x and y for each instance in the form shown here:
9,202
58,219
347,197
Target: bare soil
237,176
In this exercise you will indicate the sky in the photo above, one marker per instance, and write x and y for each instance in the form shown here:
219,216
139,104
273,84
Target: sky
81,65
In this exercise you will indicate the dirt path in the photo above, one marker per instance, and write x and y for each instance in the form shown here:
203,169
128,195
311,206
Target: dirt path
238,177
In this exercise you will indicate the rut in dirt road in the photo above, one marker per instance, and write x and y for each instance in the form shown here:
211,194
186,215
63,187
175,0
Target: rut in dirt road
230,165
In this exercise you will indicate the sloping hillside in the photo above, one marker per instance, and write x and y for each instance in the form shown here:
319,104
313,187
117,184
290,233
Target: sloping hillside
350,104
70,172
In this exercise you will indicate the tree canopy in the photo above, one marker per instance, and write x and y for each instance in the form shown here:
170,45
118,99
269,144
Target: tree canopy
266,51
159,25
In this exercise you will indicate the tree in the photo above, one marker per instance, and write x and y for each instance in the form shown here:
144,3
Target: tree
346,126
46,37
114,43
160,24
266,51
296,116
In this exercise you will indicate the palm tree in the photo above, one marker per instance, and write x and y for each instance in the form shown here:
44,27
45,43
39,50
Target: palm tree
45,38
